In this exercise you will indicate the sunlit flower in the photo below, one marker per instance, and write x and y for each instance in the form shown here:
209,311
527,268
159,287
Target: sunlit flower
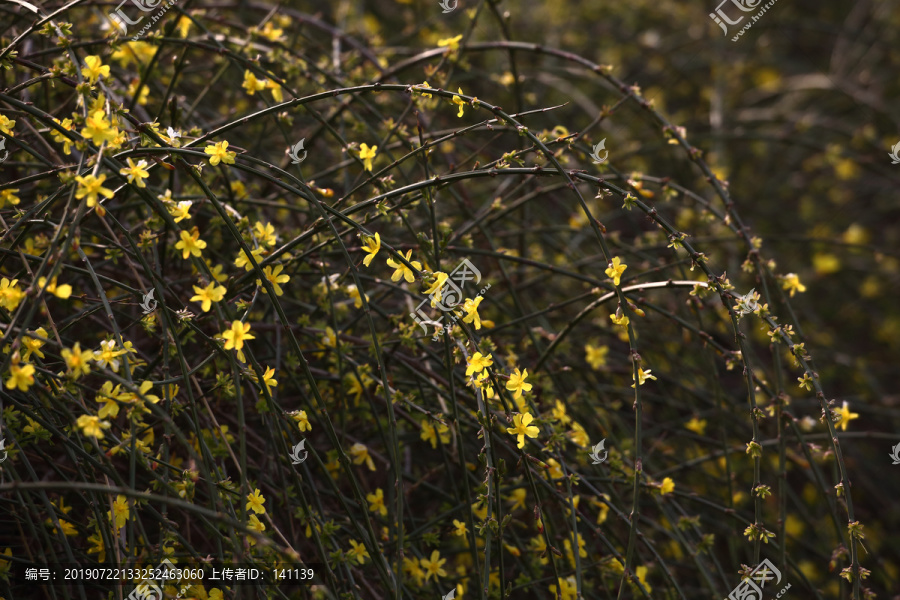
107,355
846,416
190,243
425,85
58,137
8,196
20,377
430,433
252,84
434,290
478,362
696,425
470,306
302,420
367,154
136,172
667,486
371,245
90,187
459,528
243,261
615,270
119,512
459,101
451,43
275,277
401,270
220,153
60,291
521,428
266,233
517,383
206,296
98,129
33,344
255,502
235,337
94,68
643,376
6,125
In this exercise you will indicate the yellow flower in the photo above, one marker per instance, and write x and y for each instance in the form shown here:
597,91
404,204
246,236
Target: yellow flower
623,320
58,137
92,426
568,590
615,270
269,379
517,498
483,382
183,25
430,433
94,68
367,154
641,573
136,171
206,296
107,355
8,196
77,360
696,425
478,362
521,428
255,502
220,153
353,292
792,282
89,187
458,100
119,512
371,245
846,416
643,376
578,435
256,525
234,337
10,294
517,383
358,552
97,546
265,233
361,455
471,308
190,244
433,565
667,486
275,87
33,344
424,94
20,378
243,261
401,270
459,528
376,502
274,277
596,356
451,43
98,129
60,291
252,84
434,290
302,420
6,125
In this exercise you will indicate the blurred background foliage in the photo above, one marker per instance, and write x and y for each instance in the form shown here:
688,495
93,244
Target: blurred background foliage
795,121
